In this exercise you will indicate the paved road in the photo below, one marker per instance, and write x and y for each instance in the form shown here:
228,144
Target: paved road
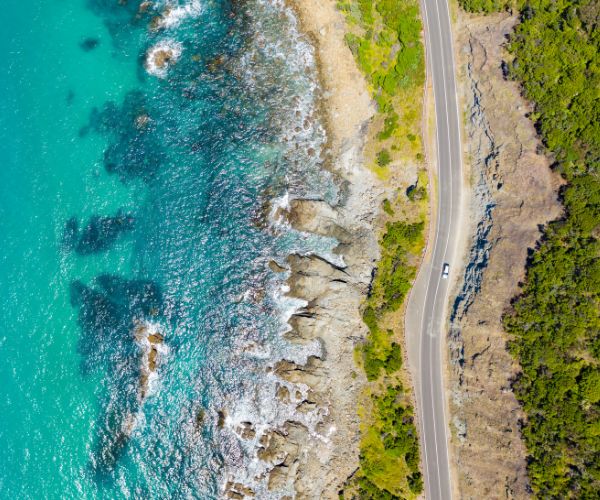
426,315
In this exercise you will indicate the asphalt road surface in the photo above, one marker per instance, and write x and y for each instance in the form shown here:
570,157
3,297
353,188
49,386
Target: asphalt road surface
427,308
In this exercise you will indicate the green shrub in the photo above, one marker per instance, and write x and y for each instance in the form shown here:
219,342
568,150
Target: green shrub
370,319
383,158
415,482
486,6
393,361
390,125
415,193
387,207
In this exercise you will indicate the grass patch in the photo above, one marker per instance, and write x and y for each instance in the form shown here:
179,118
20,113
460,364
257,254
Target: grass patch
386,43
387,207
383,158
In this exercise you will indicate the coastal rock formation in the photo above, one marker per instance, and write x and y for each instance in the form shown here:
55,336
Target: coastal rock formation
333,295
514,192
172,14
313,461
161,56
151,342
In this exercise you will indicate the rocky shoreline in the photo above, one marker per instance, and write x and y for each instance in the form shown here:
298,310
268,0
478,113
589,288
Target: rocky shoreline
317,466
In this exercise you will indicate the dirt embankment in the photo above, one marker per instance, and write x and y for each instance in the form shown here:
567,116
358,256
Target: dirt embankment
513,193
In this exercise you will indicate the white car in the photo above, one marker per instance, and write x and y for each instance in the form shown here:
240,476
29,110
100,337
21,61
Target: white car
445,271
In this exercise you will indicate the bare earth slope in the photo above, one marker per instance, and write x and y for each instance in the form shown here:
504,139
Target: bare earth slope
513,192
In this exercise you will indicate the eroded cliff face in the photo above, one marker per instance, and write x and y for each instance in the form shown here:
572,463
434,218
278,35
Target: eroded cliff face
513,193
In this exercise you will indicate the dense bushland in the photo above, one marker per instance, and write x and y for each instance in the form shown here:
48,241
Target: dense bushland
486,6
389,453
393,279
555,323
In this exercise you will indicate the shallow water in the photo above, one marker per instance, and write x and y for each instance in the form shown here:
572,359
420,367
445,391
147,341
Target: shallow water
132,194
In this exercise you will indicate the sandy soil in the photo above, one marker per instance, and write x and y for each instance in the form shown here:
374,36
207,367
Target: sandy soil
513,192
346,101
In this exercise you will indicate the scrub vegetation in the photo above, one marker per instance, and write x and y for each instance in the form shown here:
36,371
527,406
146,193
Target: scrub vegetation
555,323
486,6
389,453
385,38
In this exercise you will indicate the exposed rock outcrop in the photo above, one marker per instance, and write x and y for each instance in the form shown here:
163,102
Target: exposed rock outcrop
312,461
151,343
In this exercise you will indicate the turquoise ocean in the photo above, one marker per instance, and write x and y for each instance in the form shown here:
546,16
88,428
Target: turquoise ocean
145,148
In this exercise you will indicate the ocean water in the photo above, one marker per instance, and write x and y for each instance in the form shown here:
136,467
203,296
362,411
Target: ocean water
145,148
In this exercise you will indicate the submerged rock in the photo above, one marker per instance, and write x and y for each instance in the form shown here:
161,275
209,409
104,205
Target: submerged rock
89,44
142,121
173,15
99,234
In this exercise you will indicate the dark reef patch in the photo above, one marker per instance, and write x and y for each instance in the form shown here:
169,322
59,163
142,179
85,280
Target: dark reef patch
89,44
135,151
120,14
107,313
98,235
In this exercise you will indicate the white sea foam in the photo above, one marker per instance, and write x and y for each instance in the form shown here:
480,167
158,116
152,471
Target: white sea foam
271,59
143,330
173,13
266,412
161,56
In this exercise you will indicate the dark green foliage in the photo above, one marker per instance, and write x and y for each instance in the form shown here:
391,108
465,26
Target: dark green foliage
416,192
556,326
378,356
370,319
394,276
393,361
383,158
415,482
389,461
486,6
368,491
557,62
392,281
392,437
379,352
555,323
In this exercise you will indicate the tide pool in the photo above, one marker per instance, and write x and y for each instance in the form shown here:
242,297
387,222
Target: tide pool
144,147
